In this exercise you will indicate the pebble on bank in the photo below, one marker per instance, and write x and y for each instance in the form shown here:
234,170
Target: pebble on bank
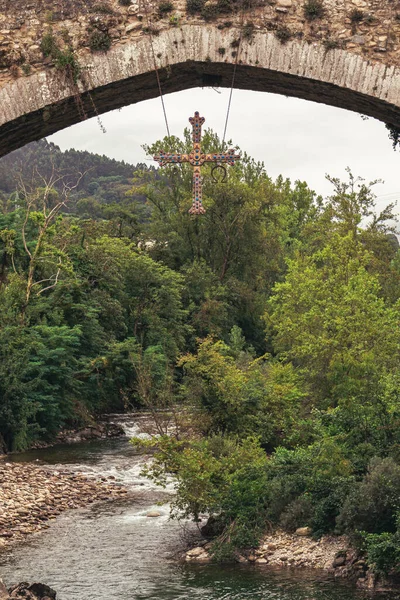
31,495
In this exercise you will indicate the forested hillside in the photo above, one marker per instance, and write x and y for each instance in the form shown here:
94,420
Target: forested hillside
104,181
266,330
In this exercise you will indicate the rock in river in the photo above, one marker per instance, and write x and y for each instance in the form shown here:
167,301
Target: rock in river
34,591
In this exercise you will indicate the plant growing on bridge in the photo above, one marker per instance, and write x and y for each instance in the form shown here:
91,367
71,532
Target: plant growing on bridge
330,44
357,15
99,41
283,34
64,59
248,31
165,7
174,20
48,45
194,6
314,9
26,69
102,8
226,6
49,16
209,12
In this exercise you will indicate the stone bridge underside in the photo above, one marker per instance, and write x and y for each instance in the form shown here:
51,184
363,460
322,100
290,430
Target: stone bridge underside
39,101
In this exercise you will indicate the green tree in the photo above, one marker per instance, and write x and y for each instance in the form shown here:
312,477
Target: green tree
243,395
328,317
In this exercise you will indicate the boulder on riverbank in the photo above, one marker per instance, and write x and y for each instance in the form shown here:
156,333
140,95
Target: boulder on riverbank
27,591
94,432
332,554
298,550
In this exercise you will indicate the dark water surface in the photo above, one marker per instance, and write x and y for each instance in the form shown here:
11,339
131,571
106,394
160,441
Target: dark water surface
114,551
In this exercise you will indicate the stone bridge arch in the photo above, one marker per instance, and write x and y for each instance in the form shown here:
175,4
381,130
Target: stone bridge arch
349,57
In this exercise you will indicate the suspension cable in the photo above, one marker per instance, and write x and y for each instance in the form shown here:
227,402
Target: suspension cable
230,99
239,47
234,74
149,27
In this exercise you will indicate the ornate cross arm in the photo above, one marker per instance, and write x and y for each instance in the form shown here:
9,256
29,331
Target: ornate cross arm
229,157
164,158
196,158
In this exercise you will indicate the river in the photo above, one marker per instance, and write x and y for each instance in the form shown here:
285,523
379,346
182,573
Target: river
113,550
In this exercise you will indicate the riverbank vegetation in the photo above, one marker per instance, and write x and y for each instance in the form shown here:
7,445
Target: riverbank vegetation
263,336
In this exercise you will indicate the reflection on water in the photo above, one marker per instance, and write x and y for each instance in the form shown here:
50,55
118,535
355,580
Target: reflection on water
113,551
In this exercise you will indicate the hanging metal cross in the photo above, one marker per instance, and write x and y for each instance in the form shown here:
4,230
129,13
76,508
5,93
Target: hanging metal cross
197,159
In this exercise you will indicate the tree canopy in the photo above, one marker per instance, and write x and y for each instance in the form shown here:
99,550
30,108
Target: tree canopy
266,332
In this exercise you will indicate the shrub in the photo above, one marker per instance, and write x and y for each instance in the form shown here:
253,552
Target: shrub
383,552
314,9
373,504
330,44
194,6
124,2
225,6
244,510
99,41
165,7
48,45
221,51
49,16
328,496
222,476
283,34
64,59
26,69
297,514
248,31
356,15
209,12
317,477
102,8
65,35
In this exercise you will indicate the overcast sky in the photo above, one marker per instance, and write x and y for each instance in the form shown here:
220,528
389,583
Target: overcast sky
298,139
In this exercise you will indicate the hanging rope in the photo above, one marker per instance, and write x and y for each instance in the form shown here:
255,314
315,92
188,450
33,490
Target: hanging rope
149,27
234,74
230,95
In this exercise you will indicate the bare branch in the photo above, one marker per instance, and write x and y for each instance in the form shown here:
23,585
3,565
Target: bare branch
53,285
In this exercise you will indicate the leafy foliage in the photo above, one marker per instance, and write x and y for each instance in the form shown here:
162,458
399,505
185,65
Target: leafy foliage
64,59
99,41
394,135
383,552
314,9
263,337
